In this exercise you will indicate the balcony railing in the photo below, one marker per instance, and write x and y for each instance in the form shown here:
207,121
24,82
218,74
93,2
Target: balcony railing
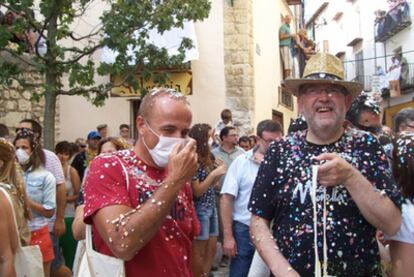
390,23
406,82
365,80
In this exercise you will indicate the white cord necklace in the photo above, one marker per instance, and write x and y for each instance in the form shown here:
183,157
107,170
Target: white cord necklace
318,272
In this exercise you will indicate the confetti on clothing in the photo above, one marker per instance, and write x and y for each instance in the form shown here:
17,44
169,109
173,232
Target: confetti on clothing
282,193
168,252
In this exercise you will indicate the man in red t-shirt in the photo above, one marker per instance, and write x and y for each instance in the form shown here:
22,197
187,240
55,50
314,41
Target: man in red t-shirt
149,221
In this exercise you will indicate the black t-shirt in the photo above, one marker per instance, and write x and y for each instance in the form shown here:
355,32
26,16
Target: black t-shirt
80,164
282,193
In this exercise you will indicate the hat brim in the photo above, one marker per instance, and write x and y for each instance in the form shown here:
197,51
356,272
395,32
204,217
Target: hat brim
293,85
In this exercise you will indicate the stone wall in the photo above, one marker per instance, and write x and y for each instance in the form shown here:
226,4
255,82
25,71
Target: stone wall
238,62
16,102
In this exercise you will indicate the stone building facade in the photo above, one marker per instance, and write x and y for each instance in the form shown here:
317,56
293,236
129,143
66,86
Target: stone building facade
17,103
238,63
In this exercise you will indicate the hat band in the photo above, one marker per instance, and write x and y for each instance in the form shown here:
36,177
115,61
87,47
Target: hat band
323,76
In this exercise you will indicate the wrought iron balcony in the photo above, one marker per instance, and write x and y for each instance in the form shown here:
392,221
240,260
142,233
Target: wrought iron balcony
390,23
406,82
365,80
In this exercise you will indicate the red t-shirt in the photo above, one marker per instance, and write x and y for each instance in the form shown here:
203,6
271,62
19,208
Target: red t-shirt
168,252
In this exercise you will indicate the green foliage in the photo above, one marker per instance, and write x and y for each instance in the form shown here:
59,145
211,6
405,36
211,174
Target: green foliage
125,24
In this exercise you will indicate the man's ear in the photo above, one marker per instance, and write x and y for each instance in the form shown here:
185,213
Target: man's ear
140,123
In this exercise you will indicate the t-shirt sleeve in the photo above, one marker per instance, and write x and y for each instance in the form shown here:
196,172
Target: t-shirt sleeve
262,202
105,185
54,166
49,192
377,170
230,184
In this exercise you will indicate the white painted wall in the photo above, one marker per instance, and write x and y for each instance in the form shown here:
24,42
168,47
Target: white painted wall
208,99
267,69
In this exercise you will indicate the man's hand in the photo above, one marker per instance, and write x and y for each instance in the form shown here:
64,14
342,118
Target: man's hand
182,164
59,228
334,171
229,246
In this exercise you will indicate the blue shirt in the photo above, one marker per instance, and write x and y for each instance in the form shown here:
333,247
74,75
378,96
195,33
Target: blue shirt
41,188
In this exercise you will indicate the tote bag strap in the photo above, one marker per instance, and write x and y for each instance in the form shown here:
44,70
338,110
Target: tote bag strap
19,245
125,172
88,233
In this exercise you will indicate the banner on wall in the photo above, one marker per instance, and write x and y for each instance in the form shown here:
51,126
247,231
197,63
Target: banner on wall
181,81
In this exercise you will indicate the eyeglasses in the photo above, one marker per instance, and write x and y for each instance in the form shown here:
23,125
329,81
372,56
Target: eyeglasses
82,146
331,91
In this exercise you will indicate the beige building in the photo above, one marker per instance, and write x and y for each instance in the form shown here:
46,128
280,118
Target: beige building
238,68
358,32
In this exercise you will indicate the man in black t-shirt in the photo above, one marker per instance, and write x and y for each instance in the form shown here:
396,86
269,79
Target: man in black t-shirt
327,186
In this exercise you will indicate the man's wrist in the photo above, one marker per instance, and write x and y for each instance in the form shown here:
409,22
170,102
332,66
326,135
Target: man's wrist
227,234
352,178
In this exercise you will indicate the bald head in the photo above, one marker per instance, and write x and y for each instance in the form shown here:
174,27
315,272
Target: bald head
146,107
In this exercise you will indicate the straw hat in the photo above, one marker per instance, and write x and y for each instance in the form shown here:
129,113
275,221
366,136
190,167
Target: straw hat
323,68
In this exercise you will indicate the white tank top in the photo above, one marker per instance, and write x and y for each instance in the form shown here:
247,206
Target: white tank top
70,207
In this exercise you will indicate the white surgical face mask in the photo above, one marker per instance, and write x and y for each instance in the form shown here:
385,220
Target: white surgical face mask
22,156
163,149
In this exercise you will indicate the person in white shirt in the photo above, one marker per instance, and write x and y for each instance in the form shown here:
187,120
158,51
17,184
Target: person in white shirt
235,195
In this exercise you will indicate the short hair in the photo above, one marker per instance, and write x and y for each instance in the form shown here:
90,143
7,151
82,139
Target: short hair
4,131
403,117
147,102
101,126
36,127
225,131
244,139
123,126
268,125
74,148
226,114
117,142
63,147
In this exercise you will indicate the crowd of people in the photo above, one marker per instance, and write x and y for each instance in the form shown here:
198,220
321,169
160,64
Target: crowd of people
333,197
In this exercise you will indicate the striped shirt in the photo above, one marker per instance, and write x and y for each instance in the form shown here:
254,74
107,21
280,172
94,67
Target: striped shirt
54,166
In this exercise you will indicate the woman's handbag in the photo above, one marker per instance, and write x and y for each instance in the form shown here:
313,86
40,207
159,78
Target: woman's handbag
27,259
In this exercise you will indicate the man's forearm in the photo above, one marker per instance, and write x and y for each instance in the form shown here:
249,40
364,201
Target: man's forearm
127,230
267,248
374,205
226,214
60,201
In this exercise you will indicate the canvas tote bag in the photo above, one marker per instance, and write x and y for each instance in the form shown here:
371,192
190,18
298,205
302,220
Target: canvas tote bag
27,259
89,263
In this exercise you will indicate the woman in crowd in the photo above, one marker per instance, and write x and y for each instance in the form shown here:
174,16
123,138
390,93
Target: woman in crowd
12,183
106,145
72,185
41,191
208,173
402,244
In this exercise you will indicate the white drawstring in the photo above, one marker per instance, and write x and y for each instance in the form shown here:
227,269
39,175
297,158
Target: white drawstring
318,272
